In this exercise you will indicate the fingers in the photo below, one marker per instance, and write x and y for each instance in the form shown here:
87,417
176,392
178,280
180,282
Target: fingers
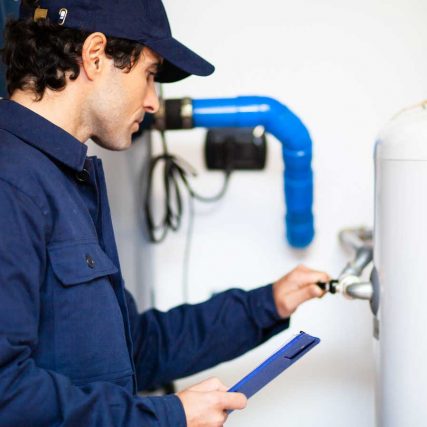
303,276
211,384
225,400
297,287
317,276
209,408
233,401
296,298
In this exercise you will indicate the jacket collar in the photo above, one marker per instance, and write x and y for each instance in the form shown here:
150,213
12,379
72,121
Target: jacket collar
42,134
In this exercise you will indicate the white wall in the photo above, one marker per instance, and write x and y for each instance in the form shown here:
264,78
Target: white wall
344,67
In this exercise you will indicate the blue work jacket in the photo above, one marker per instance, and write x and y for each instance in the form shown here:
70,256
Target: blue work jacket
74,351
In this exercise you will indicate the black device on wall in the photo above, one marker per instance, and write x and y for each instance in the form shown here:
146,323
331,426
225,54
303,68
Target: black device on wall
236,148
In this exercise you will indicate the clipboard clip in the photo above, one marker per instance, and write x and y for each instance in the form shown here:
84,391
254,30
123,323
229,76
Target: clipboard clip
306,343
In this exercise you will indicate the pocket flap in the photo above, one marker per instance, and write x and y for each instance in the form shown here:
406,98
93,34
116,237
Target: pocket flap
77,262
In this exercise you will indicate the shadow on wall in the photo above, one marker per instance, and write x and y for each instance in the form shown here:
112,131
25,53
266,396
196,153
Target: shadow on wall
8,8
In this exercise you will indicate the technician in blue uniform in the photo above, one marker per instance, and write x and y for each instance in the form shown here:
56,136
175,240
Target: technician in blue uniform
73,349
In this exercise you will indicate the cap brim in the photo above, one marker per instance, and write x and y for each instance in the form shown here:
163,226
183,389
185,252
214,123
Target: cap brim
179,62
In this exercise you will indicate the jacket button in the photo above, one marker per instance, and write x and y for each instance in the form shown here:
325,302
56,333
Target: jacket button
90,261
83,176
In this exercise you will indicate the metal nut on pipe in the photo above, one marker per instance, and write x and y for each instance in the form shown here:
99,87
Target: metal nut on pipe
353,288
362,290
174,114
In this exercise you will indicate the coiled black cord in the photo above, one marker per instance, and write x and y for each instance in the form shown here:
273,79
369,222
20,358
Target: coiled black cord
175,176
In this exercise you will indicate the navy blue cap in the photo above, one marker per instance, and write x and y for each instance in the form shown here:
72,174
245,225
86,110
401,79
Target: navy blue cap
143,21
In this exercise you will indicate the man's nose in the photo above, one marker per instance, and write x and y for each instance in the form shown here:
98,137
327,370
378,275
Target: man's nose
151,101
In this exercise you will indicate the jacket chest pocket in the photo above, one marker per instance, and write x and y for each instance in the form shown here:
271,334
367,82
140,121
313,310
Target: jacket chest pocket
90,342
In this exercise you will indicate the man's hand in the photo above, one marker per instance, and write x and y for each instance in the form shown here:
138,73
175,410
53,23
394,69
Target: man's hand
205,403
296,287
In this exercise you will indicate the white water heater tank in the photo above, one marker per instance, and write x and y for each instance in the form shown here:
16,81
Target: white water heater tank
400,274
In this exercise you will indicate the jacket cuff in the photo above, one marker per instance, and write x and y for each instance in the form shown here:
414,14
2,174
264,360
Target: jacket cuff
264,308
169,410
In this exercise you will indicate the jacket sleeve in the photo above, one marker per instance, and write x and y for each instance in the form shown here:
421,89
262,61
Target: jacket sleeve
191,338
30,395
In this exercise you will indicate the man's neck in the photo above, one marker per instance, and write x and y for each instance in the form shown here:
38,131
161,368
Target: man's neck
64,109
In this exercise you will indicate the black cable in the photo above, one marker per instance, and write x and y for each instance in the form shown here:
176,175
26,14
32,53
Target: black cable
175,173
175,176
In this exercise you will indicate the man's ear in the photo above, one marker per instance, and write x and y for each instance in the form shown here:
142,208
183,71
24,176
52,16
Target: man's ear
93,55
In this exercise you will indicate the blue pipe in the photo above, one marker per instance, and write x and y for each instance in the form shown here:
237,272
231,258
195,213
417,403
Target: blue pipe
251,111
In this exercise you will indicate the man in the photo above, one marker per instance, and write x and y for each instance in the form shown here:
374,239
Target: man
73,349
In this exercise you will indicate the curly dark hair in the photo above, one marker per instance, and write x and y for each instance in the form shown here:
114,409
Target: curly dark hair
39,55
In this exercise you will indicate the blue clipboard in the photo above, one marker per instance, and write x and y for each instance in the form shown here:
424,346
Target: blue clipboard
275,364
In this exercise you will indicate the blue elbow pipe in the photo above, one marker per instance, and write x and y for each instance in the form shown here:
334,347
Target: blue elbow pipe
251,111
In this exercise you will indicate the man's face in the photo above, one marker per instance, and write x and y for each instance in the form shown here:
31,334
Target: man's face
121,100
